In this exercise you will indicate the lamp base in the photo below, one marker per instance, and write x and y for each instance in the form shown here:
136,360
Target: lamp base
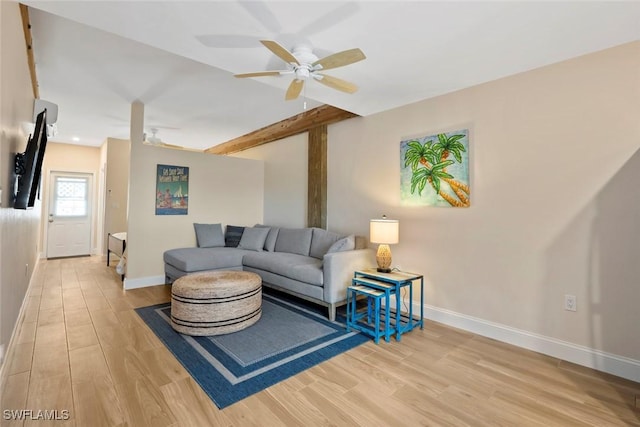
383,259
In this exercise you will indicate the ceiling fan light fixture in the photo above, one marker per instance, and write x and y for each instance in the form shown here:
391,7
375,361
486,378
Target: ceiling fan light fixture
302,73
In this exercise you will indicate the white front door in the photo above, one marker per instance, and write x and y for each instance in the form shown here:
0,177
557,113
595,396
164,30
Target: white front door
69,219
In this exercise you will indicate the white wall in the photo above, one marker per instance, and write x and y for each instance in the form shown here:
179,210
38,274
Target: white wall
117,185
555,207
18,228
285,175
555,210
222,189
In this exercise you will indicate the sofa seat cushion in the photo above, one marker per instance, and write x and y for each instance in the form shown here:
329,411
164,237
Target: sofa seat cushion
199,259
298,267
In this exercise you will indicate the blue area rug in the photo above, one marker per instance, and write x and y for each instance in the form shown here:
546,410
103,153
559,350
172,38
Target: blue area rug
290,337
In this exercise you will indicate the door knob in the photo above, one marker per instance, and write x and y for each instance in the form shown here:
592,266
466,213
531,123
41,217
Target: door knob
50,217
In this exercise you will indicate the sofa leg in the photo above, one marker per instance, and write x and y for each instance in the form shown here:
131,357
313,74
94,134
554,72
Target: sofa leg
332,312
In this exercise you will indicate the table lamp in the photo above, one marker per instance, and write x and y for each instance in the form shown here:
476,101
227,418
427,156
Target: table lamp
385,232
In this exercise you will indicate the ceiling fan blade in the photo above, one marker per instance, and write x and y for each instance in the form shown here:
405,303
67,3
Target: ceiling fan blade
171,146
154,126
261,12
340,59
336,83
280,51
228,40
176,147
294,89
259,74
329,20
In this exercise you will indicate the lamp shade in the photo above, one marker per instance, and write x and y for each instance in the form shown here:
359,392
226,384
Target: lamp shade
384,231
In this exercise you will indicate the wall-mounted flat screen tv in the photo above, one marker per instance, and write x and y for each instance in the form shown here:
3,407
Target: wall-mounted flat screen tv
28,165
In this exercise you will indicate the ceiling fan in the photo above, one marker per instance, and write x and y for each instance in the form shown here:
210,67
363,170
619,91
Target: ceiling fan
304,65
157,142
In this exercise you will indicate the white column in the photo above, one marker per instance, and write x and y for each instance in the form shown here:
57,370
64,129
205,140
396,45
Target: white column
136,136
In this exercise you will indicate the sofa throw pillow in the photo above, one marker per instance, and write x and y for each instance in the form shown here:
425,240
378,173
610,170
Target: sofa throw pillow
253,238
209,235
346,244
270,243
321,241
294,241
232,236
361,242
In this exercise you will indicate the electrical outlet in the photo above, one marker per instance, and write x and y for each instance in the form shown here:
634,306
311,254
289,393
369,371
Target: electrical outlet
570,303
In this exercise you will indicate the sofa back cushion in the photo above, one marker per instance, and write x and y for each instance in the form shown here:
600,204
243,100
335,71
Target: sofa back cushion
253,238
270,243
209,235
294,240
321,241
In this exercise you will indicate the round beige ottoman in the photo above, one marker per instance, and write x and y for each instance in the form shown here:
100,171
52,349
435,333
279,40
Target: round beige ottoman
216,302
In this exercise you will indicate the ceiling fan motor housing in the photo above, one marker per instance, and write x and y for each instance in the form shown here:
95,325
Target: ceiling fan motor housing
304,55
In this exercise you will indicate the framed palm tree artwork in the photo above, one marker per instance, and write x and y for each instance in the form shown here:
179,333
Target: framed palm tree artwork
434,170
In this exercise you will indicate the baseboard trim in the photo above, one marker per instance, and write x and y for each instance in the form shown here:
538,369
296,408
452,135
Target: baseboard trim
143,282
7,352
585,356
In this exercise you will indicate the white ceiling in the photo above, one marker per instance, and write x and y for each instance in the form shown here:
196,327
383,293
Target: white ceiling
93,58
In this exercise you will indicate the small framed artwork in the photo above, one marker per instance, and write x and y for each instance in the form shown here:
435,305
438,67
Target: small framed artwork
434,170
172,190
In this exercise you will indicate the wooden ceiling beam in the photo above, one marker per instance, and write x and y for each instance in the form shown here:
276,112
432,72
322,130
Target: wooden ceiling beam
303,122
26,27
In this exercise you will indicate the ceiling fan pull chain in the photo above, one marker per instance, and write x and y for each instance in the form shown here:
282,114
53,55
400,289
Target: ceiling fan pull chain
304,97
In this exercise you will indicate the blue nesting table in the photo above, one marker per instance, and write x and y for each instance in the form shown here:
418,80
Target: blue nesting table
355,318
376,286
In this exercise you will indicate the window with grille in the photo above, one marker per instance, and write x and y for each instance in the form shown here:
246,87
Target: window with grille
71,196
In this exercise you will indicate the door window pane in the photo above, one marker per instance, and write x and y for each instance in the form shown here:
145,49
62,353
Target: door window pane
71,196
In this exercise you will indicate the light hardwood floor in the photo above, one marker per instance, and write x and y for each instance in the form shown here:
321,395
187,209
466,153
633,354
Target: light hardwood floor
81,347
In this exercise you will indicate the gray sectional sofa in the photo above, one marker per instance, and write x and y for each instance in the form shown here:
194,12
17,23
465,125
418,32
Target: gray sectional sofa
309,263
